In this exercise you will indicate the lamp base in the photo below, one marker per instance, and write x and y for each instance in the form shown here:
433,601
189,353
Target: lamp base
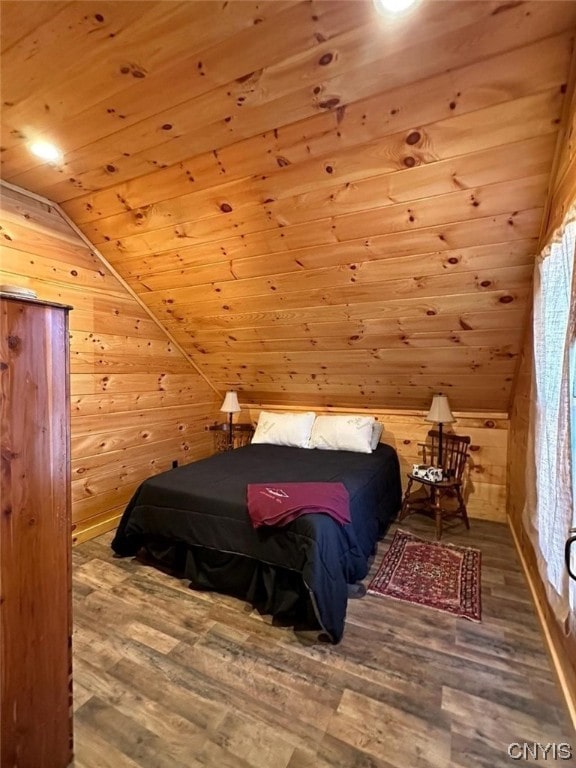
440,456
230,436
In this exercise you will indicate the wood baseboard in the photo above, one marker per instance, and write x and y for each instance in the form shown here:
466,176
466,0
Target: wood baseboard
90,532
556,652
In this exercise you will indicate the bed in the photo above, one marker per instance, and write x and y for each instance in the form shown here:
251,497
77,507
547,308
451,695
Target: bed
194,520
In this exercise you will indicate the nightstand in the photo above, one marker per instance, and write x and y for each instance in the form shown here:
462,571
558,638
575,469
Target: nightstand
241,435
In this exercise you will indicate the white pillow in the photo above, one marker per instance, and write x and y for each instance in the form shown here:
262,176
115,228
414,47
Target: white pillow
377,429
343,433
291,429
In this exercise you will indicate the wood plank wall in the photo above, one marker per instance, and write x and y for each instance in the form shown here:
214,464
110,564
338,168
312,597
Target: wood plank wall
137,403
485,486
562,195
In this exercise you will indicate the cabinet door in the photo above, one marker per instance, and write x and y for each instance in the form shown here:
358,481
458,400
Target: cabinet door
35,613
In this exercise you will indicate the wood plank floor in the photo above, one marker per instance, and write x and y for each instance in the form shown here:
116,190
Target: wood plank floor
166,677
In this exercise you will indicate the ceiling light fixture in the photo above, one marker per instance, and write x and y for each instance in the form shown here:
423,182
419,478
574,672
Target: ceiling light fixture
393,6
46,151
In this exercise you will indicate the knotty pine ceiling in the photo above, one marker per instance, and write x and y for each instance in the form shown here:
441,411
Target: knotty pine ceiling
323,206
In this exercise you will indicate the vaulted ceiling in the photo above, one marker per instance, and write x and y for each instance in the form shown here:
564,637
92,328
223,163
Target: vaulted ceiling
321,204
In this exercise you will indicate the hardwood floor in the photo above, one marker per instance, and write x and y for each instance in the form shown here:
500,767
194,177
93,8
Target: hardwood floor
166,677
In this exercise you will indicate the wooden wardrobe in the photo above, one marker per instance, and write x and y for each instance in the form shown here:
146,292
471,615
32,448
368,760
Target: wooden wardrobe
35,537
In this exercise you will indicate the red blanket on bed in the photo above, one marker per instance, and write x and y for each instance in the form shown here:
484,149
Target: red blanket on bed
279,503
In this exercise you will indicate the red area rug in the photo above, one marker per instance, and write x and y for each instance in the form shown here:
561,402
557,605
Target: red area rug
429,573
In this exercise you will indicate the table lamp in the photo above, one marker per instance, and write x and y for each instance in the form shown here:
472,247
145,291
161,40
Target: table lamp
230,406
440,414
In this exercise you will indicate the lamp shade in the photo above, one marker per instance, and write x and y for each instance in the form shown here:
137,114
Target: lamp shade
440,412
230,404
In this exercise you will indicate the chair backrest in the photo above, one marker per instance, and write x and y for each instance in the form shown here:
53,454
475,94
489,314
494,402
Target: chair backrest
454,452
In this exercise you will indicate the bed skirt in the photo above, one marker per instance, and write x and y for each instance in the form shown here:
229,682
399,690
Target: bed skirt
270,589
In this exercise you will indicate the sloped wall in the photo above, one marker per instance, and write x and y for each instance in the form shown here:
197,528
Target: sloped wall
339,208
137,403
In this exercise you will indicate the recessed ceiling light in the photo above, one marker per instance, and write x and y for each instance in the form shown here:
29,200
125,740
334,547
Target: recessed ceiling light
46,151
393,6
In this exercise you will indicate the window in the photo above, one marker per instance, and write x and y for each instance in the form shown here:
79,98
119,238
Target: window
573,425
554,419
573,463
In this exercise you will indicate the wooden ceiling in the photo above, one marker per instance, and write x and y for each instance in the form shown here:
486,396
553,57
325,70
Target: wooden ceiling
322,205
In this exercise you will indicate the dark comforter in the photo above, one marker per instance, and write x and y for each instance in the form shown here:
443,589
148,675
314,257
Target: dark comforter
202,506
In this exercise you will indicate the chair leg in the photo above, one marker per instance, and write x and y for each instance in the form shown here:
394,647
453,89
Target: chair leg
462,507
405,508
435,499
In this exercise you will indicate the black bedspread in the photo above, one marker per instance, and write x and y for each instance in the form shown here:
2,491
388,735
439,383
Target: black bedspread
203,506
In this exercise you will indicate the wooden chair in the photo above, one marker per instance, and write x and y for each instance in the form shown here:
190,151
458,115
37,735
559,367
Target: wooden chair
454,456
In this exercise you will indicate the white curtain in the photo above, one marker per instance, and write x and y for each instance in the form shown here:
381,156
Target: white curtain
549,511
